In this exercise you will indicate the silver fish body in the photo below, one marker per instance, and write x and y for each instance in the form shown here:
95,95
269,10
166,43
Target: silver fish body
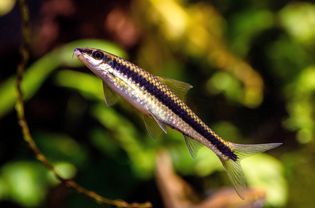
153,98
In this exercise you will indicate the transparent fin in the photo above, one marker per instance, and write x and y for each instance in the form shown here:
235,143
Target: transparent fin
161,125
245,150
178,87
234,169
110,97
192,145
236,175
154,127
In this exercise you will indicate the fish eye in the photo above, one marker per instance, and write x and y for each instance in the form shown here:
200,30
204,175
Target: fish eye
97,55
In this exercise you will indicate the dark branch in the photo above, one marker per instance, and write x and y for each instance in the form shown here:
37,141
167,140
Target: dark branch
24,51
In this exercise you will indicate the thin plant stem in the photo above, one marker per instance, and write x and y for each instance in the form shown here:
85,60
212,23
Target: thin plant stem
27,136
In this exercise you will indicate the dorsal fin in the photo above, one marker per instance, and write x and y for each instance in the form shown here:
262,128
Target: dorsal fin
178,87
110,97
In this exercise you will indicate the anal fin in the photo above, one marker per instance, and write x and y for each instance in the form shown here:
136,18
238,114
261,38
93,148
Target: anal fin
192,145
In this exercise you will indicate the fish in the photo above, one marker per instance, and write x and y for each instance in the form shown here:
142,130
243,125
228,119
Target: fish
161,102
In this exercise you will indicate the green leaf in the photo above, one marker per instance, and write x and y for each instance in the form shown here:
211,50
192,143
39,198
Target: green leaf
264,171
86,84
142,155
301,105
25,182
60,147
245,26
299,20
40,70
64,169
225,83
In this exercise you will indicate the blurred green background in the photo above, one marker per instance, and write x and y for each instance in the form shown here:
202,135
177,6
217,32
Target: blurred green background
252,66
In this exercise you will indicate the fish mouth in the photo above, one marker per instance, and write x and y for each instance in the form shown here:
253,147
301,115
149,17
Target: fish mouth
83,55
82,52
77,52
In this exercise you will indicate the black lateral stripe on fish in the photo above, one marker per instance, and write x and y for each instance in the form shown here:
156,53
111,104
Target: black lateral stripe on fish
152,97
164,98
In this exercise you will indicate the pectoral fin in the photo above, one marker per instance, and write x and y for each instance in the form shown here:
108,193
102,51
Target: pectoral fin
154,127
110,97
178,87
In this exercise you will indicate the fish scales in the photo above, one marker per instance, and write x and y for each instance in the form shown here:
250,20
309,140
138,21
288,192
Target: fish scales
166,97
154,98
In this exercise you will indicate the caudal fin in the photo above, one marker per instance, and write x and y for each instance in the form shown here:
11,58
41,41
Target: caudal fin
233,167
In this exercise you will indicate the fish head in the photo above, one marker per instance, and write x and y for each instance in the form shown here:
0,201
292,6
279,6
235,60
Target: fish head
96,60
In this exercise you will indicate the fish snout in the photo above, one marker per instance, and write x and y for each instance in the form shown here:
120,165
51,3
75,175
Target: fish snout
77,51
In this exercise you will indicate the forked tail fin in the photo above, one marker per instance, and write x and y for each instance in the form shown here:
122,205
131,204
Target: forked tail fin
233,167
